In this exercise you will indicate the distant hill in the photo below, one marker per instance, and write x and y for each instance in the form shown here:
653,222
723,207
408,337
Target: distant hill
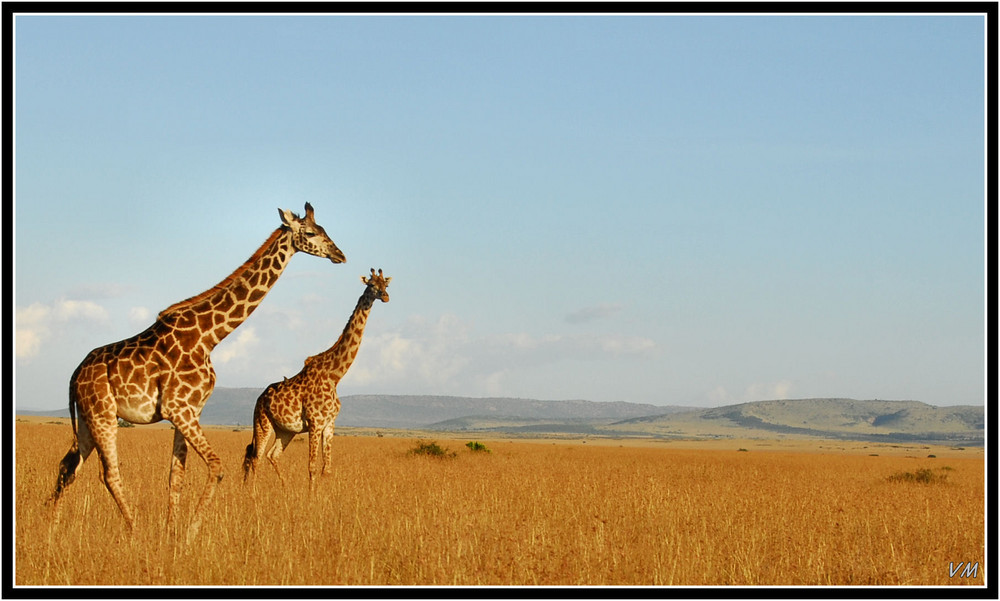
847,419
401,411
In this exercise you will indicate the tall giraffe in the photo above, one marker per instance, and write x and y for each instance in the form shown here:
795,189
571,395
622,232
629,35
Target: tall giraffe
308,402
165,371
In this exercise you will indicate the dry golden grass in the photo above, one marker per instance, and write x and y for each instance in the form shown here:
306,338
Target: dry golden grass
555,513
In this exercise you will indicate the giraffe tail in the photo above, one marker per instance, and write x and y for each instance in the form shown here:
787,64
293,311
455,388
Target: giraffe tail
257,437
249,459
72,413
69,463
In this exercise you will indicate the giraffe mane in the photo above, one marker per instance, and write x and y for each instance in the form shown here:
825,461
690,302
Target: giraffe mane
224,284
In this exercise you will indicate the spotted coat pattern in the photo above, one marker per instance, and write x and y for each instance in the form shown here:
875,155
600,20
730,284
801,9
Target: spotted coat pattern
308,401
165,371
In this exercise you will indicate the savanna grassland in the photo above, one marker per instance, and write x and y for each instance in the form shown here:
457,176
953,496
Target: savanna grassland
525,513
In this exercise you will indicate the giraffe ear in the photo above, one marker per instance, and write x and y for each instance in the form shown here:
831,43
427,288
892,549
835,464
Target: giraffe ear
387,280
288,218
364,280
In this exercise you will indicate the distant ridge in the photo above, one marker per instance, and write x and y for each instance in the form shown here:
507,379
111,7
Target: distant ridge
235,406
846,419
837,418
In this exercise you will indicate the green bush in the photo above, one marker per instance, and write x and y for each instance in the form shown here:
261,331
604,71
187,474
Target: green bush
431,449
921,476
477,447
124,424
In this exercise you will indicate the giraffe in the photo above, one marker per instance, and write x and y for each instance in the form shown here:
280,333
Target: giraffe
165,371
308,402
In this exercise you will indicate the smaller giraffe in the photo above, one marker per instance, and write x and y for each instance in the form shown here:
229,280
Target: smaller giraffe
308,402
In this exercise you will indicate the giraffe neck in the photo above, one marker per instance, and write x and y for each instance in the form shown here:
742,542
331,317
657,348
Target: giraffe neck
215,313
338,359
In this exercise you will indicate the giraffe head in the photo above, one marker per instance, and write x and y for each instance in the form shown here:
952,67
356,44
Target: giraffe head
377,285
310,237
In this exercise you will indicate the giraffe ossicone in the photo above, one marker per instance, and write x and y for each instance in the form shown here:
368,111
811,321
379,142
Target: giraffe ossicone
308,401
165,371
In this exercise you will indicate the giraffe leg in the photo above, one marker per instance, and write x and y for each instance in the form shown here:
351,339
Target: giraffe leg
328,435
282,438
328,449
187,425
108,451
315,453
178,462
104,429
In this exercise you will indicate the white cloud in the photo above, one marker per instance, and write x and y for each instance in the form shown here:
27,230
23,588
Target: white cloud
37,323
396,351
237,347
768,391
433,353
782,389
67,310
140,316
32,314
446,356
27,342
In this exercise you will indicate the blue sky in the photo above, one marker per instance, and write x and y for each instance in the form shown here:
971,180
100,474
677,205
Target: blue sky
659,209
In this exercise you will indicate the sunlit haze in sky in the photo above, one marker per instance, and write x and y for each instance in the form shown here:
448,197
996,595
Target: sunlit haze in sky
665,209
